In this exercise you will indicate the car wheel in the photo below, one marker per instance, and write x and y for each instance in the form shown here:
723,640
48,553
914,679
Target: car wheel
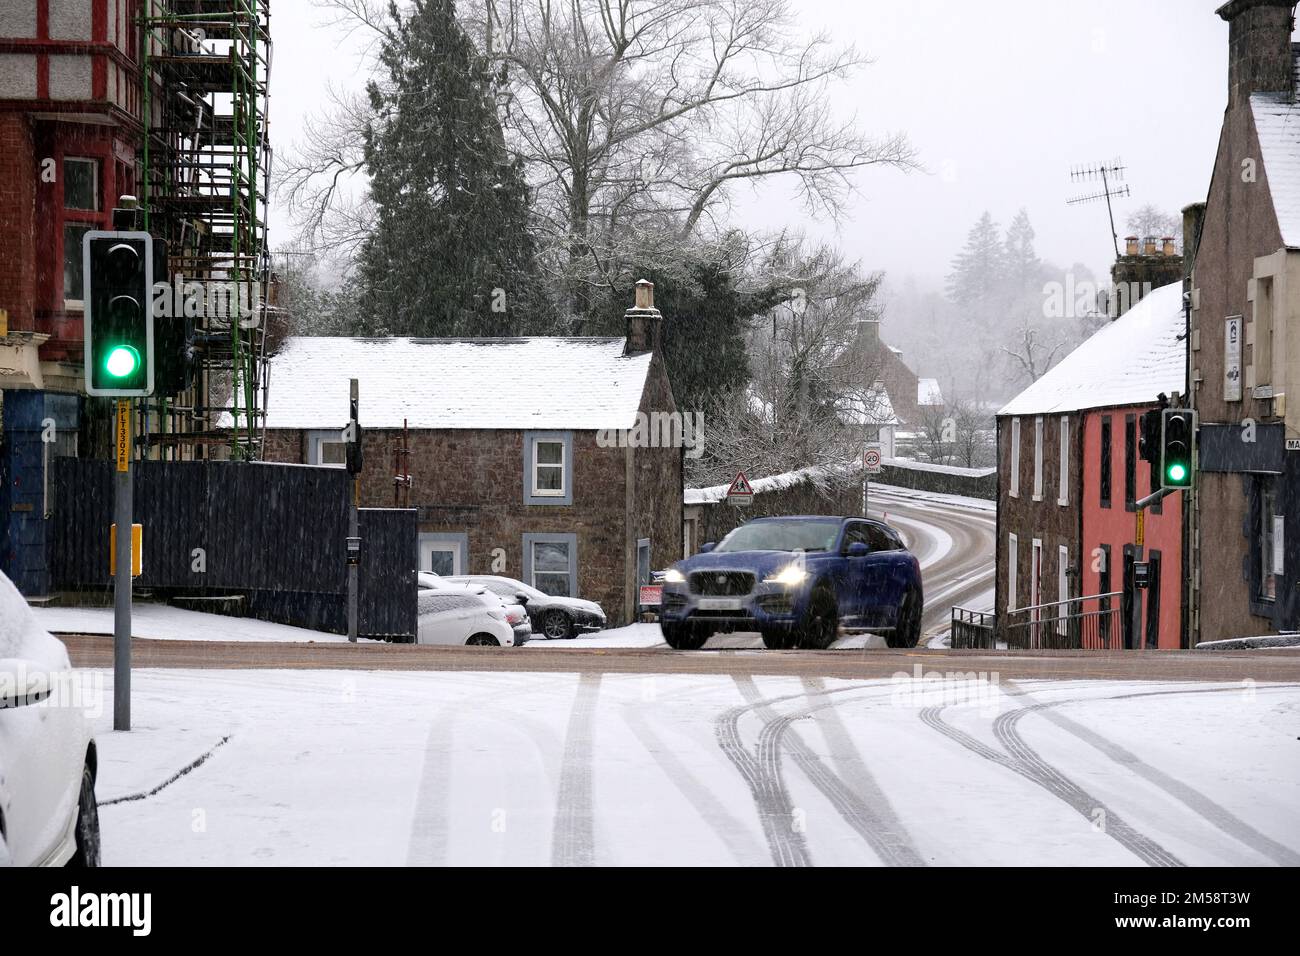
87,832
821,622
908,630
683,637
779,638
557,626
483,640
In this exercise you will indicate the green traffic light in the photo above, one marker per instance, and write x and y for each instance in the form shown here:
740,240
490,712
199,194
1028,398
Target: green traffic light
1176,472
122,361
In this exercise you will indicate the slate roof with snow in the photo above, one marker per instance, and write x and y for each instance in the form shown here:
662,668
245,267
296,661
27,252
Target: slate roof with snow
1277,123
578,384
870,408
1127,362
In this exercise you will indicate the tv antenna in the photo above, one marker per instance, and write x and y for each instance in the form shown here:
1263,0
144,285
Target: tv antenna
1108,174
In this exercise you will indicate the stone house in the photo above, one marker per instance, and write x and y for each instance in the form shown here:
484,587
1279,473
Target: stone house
554,460
1244,341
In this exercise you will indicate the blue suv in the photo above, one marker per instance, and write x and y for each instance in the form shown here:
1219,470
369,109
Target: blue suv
796,580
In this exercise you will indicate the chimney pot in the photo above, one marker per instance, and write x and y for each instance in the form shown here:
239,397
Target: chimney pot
1149,246
1170,248
645,294
1130,245
643,320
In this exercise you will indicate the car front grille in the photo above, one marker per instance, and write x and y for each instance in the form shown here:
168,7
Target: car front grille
721,583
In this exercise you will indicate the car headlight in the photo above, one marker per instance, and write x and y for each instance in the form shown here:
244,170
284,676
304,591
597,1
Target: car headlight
791,574
673,576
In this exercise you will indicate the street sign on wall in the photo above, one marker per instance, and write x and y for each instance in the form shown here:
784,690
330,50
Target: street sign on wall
1232,359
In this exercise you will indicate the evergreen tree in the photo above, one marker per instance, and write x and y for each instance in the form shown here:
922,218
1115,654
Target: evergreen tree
1023,268
451,252
979,269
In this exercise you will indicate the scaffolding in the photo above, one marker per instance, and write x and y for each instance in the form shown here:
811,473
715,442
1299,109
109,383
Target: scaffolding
205,167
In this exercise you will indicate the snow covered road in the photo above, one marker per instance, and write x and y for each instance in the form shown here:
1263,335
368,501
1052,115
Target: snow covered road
528,768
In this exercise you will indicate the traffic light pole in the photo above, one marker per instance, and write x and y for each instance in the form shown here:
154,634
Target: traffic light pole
1154,497
122,516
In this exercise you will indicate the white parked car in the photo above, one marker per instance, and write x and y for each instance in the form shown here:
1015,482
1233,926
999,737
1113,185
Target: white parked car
460,615
556,616
515,615
48,814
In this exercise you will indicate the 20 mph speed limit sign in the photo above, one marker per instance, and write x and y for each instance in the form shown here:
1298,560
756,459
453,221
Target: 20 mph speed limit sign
871,461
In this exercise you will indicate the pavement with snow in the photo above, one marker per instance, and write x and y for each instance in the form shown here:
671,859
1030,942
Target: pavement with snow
342,767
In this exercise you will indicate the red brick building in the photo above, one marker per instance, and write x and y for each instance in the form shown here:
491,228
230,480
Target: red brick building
1069,475
557,461
70,126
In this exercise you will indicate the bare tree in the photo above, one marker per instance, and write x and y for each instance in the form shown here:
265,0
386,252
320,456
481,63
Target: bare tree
1031,357
816,396
636,117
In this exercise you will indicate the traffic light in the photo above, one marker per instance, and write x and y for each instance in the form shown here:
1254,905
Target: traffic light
1149,426
1177,443
119,347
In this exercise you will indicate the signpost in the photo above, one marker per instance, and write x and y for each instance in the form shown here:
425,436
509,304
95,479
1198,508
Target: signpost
122,572
741,492
354,534
870,466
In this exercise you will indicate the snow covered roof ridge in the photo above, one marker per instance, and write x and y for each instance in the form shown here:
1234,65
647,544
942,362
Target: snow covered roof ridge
1129,361
1277,124
538,382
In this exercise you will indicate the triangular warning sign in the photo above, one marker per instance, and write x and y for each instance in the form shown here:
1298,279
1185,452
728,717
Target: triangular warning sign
740,486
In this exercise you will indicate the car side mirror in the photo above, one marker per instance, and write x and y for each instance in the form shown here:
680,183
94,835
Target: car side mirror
858,550
23,682
521,598
708,546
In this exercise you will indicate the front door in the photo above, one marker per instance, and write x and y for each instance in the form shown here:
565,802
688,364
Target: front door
440,557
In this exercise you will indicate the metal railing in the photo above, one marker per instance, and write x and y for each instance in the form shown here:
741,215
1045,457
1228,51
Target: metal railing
1092,622
972,629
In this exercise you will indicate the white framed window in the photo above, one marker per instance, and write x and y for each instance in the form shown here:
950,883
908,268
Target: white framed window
1013,561
551,563
1062,588
1063,496
1015,458
548,469
1038,458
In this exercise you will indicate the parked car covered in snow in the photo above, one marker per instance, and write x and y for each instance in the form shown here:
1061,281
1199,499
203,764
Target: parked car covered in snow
459,615
554,615
48,813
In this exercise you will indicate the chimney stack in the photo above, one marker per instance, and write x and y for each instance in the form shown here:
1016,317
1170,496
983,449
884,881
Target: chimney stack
643,320
1259,48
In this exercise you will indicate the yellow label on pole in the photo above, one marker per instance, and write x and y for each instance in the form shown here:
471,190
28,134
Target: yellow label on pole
123,442
4,321
1140,539
137,549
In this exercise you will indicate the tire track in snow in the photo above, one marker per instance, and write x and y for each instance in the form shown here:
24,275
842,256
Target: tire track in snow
737,838
1216,814
876,824
573,836
772,800
853,791
1036,772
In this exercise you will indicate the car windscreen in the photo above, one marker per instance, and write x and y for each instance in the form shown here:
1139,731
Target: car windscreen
791,535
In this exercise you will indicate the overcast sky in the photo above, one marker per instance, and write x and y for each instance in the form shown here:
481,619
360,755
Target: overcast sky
1000,98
